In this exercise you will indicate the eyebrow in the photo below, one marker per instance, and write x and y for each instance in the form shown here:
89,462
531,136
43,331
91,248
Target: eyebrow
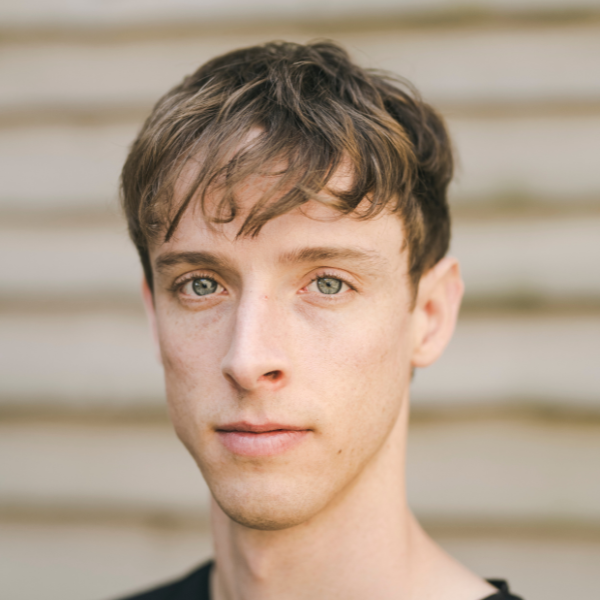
364,258
206,259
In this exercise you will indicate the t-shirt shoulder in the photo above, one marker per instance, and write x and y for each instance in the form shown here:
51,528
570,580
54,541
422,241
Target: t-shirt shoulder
503,591
194,586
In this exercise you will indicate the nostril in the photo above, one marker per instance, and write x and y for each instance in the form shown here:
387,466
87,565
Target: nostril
273,375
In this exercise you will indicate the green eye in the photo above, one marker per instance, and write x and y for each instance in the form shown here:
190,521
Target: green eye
203,286
329,285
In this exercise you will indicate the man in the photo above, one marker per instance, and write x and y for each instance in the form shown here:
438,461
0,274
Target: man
290,213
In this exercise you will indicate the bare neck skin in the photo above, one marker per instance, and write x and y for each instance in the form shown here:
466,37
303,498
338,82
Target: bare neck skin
383,554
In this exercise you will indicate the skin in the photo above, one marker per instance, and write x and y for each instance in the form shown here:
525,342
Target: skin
325,516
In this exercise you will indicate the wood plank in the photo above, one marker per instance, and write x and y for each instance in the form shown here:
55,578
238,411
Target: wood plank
511,260
136,471
32,13
480,471
451,67
86,262
520,361
89,561
61,168
504,470
528,259
83,361
551,158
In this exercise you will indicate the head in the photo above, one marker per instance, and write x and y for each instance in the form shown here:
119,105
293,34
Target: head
290,213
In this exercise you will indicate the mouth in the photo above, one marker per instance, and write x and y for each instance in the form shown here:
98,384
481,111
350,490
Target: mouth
260,439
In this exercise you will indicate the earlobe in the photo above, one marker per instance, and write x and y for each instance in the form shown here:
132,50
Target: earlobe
148,300
436,311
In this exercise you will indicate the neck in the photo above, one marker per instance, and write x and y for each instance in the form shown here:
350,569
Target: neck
366,544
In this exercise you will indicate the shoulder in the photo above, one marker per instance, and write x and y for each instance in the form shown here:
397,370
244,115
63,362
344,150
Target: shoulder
503,591
194,586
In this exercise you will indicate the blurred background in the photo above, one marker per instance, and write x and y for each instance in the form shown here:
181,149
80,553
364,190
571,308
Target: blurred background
97,497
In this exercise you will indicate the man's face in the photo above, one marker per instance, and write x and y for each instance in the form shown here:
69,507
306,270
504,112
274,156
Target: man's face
286,356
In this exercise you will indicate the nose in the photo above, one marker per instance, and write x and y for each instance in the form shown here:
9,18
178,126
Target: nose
256,359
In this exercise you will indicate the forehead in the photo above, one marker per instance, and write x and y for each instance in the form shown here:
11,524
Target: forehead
315,224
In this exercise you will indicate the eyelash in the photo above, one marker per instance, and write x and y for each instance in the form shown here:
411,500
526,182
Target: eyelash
326,274
178,284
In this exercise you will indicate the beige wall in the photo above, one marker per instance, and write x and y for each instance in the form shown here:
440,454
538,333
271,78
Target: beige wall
97,497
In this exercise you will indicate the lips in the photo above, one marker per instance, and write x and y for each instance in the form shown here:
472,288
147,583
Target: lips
260,439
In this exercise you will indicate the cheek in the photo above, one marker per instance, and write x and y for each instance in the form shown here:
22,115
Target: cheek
359,367
191,355
189,348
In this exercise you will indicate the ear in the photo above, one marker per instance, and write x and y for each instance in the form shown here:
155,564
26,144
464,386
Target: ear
436,310
148,299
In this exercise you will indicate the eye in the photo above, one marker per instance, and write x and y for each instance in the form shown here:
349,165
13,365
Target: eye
198,289
329,285
204,286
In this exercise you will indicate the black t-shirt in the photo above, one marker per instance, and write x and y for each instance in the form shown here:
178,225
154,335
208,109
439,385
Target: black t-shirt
195,587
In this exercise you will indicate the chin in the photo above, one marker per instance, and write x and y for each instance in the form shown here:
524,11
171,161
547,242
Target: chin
262,520
268,505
